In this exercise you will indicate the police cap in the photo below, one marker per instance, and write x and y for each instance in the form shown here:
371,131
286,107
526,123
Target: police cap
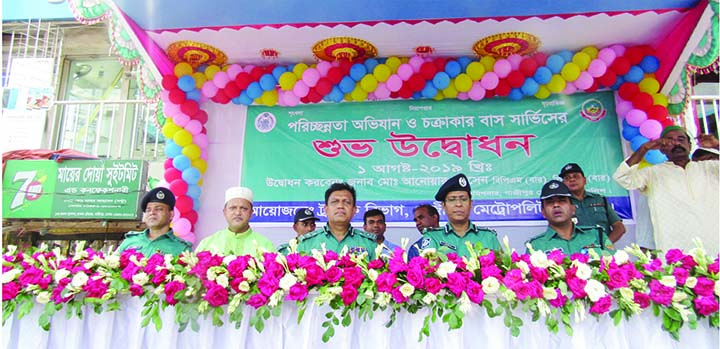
569,168
554,188
459,182
159,194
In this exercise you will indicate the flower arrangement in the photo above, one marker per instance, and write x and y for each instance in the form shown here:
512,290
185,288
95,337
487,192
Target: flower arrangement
681,288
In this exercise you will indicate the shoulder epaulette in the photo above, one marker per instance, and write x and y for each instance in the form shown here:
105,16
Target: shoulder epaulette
175,237
133,233
487,229
310,235
587,227
431,230
365,234
535,237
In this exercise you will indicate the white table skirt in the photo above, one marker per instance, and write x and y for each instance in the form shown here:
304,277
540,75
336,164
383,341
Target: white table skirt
121,329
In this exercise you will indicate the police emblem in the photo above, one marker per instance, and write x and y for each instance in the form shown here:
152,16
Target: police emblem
425,243
160,195
357,250
265,122
553,186
308,212
462,182
568,167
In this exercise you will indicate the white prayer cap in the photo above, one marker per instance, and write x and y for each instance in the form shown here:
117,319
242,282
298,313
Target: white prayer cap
238,192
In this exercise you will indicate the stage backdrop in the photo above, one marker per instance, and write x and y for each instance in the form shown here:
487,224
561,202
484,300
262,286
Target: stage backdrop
398,153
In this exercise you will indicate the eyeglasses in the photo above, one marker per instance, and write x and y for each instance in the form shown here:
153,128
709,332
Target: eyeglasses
457,199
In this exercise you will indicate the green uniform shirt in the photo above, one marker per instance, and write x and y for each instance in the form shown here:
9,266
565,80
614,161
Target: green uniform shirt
583,239
356,240
446,240
285,248
167,243
592,211
228,243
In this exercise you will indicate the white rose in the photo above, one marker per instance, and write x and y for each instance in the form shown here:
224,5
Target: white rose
79,280
428,252
249,275
61,274
445,268
669,281
10,275
490,285
539,259
524,268
691,282
627,294
140,278
335,290
465,304
679,296
595,290
369,294
429,298
43,297
228,259
287,281
717,288
222,280
621,257
407,290
275,298
372,274
549,293
113,261
583,270
244,287
383,299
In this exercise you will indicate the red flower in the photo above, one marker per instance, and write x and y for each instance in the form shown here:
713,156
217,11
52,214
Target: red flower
704,287
433,285
136,290
349,294
602,306
95,288
216,296
10,290
386,281
171,288
376,264
353,276
642,299
315,274
298,292
456,283
333,274
706,305
257,300
475,292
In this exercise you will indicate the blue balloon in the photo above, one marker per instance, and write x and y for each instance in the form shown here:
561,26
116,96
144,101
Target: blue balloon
194,191
620,80
243,98
566,55
347,84
442,79
429,91
371,63
267,82
279,70
555,63
336,95
181,162
237,100
464,61
629,132
453,68
543,75
515,94
196,204
171,149
637,141
186,83
191,175
634,75
194,95
529,87
254,90
650,64
655,157
358,71
417,95
201,68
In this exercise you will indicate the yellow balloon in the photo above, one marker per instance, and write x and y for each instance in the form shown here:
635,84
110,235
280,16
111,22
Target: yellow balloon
200,182
381,72
211,71
287,80
393,62
660,99
269,98
169,129
463,83
225,67
570,72
649,85
199,164
200,79
404,60
591,51
358,94
556,84
542,93
192,151
475,71
183,68
439,96
582,60
488,62
348,97
368,83
450,91
299,69
182,138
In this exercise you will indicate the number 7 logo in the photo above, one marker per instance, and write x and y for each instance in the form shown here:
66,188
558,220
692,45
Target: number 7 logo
30,189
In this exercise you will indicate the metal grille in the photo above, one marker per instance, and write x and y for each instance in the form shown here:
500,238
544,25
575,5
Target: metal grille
31,39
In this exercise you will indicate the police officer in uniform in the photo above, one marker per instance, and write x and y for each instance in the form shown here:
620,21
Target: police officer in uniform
562,233
157,206
303,223
591,209
338,233
457,203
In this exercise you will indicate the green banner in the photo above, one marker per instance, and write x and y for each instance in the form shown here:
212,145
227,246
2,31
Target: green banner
73,189
398,153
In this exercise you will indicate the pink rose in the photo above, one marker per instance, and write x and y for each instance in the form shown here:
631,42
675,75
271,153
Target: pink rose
298,292
642,299
488,259
397,264
522,290
415,277
714,266
512,277
617,278
56,295
577,287
681,275
655,265
31,275
235,284
353,276
491,270
673,255
557,256
539,274
349,294
456,282
580,257
216,296
257,300
333,274
268,284
171,288
129,270
398,296
95,288
156,261
125,257
420,263
272,267
386,281
159,277
704,287
706,305
346,262
475,292
315,275
376,264
602,306
688,262
433,285
330,256
238,266
136,290
660,293
10,290
559,301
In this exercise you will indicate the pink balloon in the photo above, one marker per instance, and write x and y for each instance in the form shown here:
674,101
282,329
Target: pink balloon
310,77
323,67
248,68
489,81
165,96
394,83
622,108
584,81
171,109
502,68
209,90
194,127
291,99
181,119
416,62
515,60
301,89
476,93
463,96
201,139
372,97
189,237
607,55
221,79
405,71
233,71
619,49
651,128
636,117
181,226
204,154
597,68
570,88
176,215
382,92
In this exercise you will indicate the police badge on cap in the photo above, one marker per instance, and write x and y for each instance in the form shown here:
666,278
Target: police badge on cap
162,195
570,168
459,182
554,188
302,215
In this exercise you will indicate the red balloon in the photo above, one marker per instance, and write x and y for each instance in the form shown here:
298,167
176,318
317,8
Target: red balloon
183,203
345,66
232,90
256,73
489,94
177,96
221,98
540,58
179,186
657,112
428,70
324,86
416,82
204,130
528,66
172,174
394,95
192,216
169,82
440,63
201,116
647,50
608,79
621,65
313,96
515,79
628,91
242,80
168,163
305,100
269,69
634,54
405,91
503,88
594,86
334,75
642,101
190,107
